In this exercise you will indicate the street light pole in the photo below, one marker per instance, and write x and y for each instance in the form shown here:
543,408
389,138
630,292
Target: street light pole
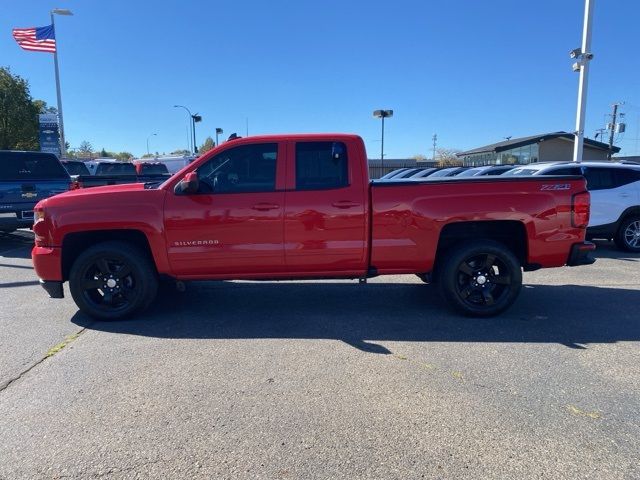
382,114
218,132
191,135
584,56
152,135
63,143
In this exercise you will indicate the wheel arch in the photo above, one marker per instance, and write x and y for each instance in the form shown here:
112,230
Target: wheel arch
510,233
73,244
630,211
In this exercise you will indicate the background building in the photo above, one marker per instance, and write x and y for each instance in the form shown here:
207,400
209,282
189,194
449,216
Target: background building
549,147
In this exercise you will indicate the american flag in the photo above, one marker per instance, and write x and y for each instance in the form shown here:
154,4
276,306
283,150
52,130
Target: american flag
37,39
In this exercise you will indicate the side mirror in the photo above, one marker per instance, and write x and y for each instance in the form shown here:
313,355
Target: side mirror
189,184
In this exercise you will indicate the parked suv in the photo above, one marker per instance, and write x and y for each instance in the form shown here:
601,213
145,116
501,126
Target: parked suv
615,197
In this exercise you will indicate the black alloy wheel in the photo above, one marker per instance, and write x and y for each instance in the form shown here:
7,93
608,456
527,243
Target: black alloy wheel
112,280
481,278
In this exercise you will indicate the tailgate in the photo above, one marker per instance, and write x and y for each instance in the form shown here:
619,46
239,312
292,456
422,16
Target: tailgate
22,196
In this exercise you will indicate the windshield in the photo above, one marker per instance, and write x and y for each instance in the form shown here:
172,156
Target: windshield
471,172
443,173
153,168
116,168
521,171
76,168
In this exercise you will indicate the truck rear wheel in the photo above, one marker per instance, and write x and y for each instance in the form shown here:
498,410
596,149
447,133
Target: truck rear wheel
480,279
113,280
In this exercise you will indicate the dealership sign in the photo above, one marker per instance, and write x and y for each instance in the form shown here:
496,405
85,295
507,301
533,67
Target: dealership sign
48,133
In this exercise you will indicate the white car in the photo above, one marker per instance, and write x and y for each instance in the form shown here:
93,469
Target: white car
615,197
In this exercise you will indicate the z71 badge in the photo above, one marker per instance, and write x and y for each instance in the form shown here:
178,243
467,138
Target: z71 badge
556,186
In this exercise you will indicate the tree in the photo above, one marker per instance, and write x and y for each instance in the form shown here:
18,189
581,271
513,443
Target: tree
207,145
181,152
85,148
18,113
419,157
123,156
446,157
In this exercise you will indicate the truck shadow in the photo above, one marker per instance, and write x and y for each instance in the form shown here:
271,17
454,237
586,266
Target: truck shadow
606,249
17,244
362,315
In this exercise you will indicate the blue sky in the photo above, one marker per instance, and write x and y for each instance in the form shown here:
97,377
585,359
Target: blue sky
470,71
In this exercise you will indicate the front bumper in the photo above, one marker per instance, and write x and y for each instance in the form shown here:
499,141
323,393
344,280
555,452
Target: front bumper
47,262
581,254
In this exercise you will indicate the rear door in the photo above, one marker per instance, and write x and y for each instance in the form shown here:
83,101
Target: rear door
325,209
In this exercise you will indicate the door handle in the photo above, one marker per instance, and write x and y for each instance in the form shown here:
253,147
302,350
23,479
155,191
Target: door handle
345,204
263,207
625,195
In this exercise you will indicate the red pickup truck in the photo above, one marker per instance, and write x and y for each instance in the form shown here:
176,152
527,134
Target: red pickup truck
302,206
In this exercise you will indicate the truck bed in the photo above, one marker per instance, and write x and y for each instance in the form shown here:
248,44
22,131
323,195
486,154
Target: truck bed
409,217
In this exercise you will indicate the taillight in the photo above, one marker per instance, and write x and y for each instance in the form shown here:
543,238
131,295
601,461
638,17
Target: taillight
75,185
580,208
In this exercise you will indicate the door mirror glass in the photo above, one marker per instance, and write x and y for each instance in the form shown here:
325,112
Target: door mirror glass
189,184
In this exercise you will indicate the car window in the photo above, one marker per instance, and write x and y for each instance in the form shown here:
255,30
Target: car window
246,168
30,166
624,176
321,165
599,178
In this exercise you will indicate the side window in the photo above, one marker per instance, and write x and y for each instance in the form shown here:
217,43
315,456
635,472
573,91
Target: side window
624,176
565,171
599,178
246,168
321,165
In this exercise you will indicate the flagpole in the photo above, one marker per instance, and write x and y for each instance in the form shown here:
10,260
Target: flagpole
63,145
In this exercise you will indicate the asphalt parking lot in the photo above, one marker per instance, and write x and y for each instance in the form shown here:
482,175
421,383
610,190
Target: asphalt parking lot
328,379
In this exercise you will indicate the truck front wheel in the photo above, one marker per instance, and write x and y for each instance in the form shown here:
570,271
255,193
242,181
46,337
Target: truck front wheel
113,280
480,279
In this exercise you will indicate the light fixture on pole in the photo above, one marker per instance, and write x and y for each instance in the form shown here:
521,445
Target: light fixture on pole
191,134
583,56
152,135
195,119
382,114
218,132
63,143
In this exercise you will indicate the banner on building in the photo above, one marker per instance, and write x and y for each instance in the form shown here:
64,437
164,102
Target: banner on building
49,135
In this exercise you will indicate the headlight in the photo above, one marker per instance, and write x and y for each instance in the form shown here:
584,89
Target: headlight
38,214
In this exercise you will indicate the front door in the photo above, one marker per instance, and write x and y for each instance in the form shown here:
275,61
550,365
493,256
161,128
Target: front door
233,225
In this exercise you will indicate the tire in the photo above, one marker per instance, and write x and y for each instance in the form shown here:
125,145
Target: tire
480,278
628,235
113,280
